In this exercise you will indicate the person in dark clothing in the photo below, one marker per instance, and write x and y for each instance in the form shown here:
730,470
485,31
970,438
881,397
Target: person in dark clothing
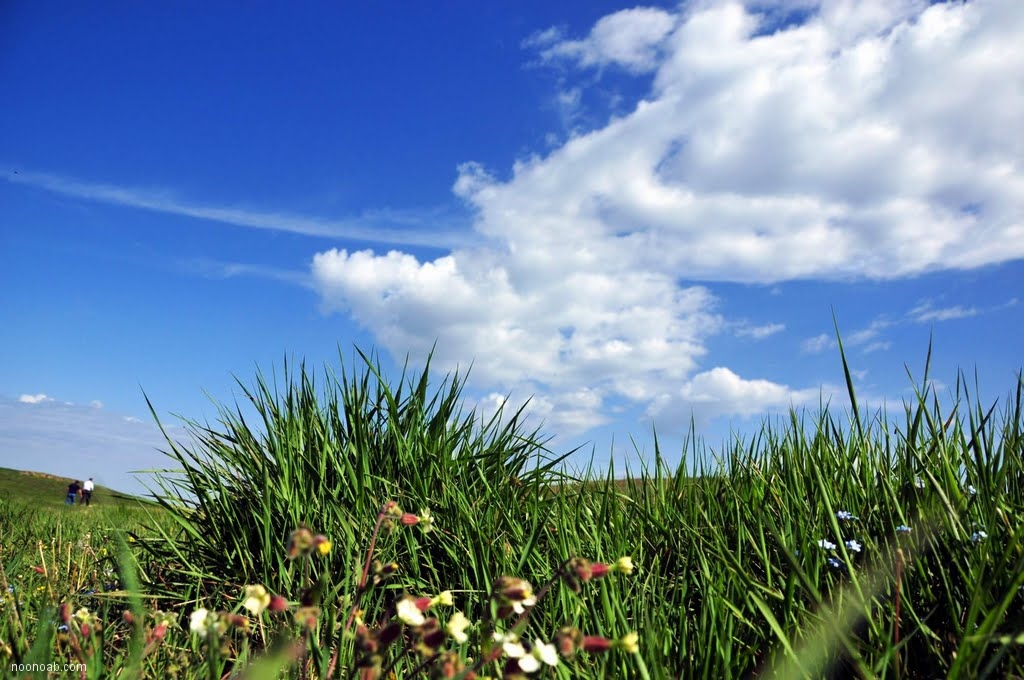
73,489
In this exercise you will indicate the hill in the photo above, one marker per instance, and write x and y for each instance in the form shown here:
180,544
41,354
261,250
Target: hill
42,489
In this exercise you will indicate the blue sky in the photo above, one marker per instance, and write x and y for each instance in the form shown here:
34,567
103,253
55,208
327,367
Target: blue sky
631,214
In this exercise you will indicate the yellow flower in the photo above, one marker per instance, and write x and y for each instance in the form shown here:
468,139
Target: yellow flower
324,546
630,643
256,599
444,599
624,565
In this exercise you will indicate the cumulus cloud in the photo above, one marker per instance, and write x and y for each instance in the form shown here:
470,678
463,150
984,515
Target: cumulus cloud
629,38
825,149
721,392
34,398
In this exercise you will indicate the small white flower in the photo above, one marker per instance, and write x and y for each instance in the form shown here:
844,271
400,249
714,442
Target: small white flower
409,613
457,626
903,529
546,652
826,544
256,599
520,606
513,649
971,490
197,622
918,482
979,536
846,515
853,546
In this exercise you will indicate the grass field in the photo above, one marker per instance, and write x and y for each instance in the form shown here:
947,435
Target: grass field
45,490
363,529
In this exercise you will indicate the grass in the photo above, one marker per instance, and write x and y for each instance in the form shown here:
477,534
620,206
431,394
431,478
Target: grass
830,545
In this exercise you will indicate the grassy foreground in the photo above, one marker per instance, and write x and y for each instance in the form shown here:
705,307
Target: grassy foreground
360,529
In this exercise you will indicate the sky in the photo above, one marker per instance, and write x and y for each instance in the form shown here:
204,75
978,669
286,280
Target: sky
636,217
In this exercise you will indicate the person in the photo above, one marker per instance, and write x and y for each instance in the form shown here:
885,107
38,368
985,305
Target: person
73,489
87,489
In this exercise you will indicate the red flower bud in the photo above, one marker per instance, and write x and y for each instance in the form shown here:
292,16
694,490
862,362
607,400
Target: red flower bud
595,644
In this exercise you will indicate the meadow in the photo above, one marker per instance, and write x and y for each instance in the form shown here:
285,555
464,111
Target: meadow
361,528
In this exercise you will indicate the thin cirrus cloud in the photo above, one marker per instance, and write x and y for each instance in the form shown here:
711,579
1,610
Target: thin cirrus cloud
868,338
372,227
823,150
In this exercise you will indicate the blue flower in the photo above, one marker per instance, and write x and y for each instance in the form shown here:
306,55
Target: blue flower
971,490
63,627
826,544
855,546
846,515
903,529
834,563
979,536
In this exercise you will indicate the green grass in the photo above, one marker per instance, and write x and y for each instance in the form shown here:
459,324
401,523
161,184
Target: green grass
730,578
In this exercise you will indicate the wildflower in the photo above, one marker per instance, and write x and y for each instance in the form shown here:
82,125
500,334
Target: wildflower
198,622
624,565
903,529
834,563
322,544
826,544
409,612
918,482
854,546
845,515
979,536
277,604
540,652
630,643
444,598
256,599
426,521
457,626
300,542
513,595
971,490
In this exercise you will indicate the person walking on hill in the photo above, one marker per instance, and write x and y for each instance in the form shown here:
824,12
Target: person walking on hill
73,489
87,489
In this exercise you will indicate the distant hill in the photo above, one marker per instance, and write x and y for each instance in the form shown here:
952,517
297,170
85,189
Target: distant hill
40,488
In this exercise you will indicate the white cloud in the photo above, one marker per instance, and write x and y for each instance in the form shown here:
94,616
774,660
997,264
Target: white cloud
817,344
825,150
96,403
379,226
629,38
924,313
34,398
760,332
721,392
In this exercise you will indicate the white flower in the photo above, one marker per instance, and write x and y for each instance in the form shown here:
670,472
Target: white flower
546,652
826,544
513,649
197,622
520,606
256,599
409,613
457,626
854,546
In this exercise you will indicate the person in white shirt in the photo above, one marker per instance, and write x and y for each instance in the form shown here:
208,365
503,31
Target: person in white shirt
87,492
